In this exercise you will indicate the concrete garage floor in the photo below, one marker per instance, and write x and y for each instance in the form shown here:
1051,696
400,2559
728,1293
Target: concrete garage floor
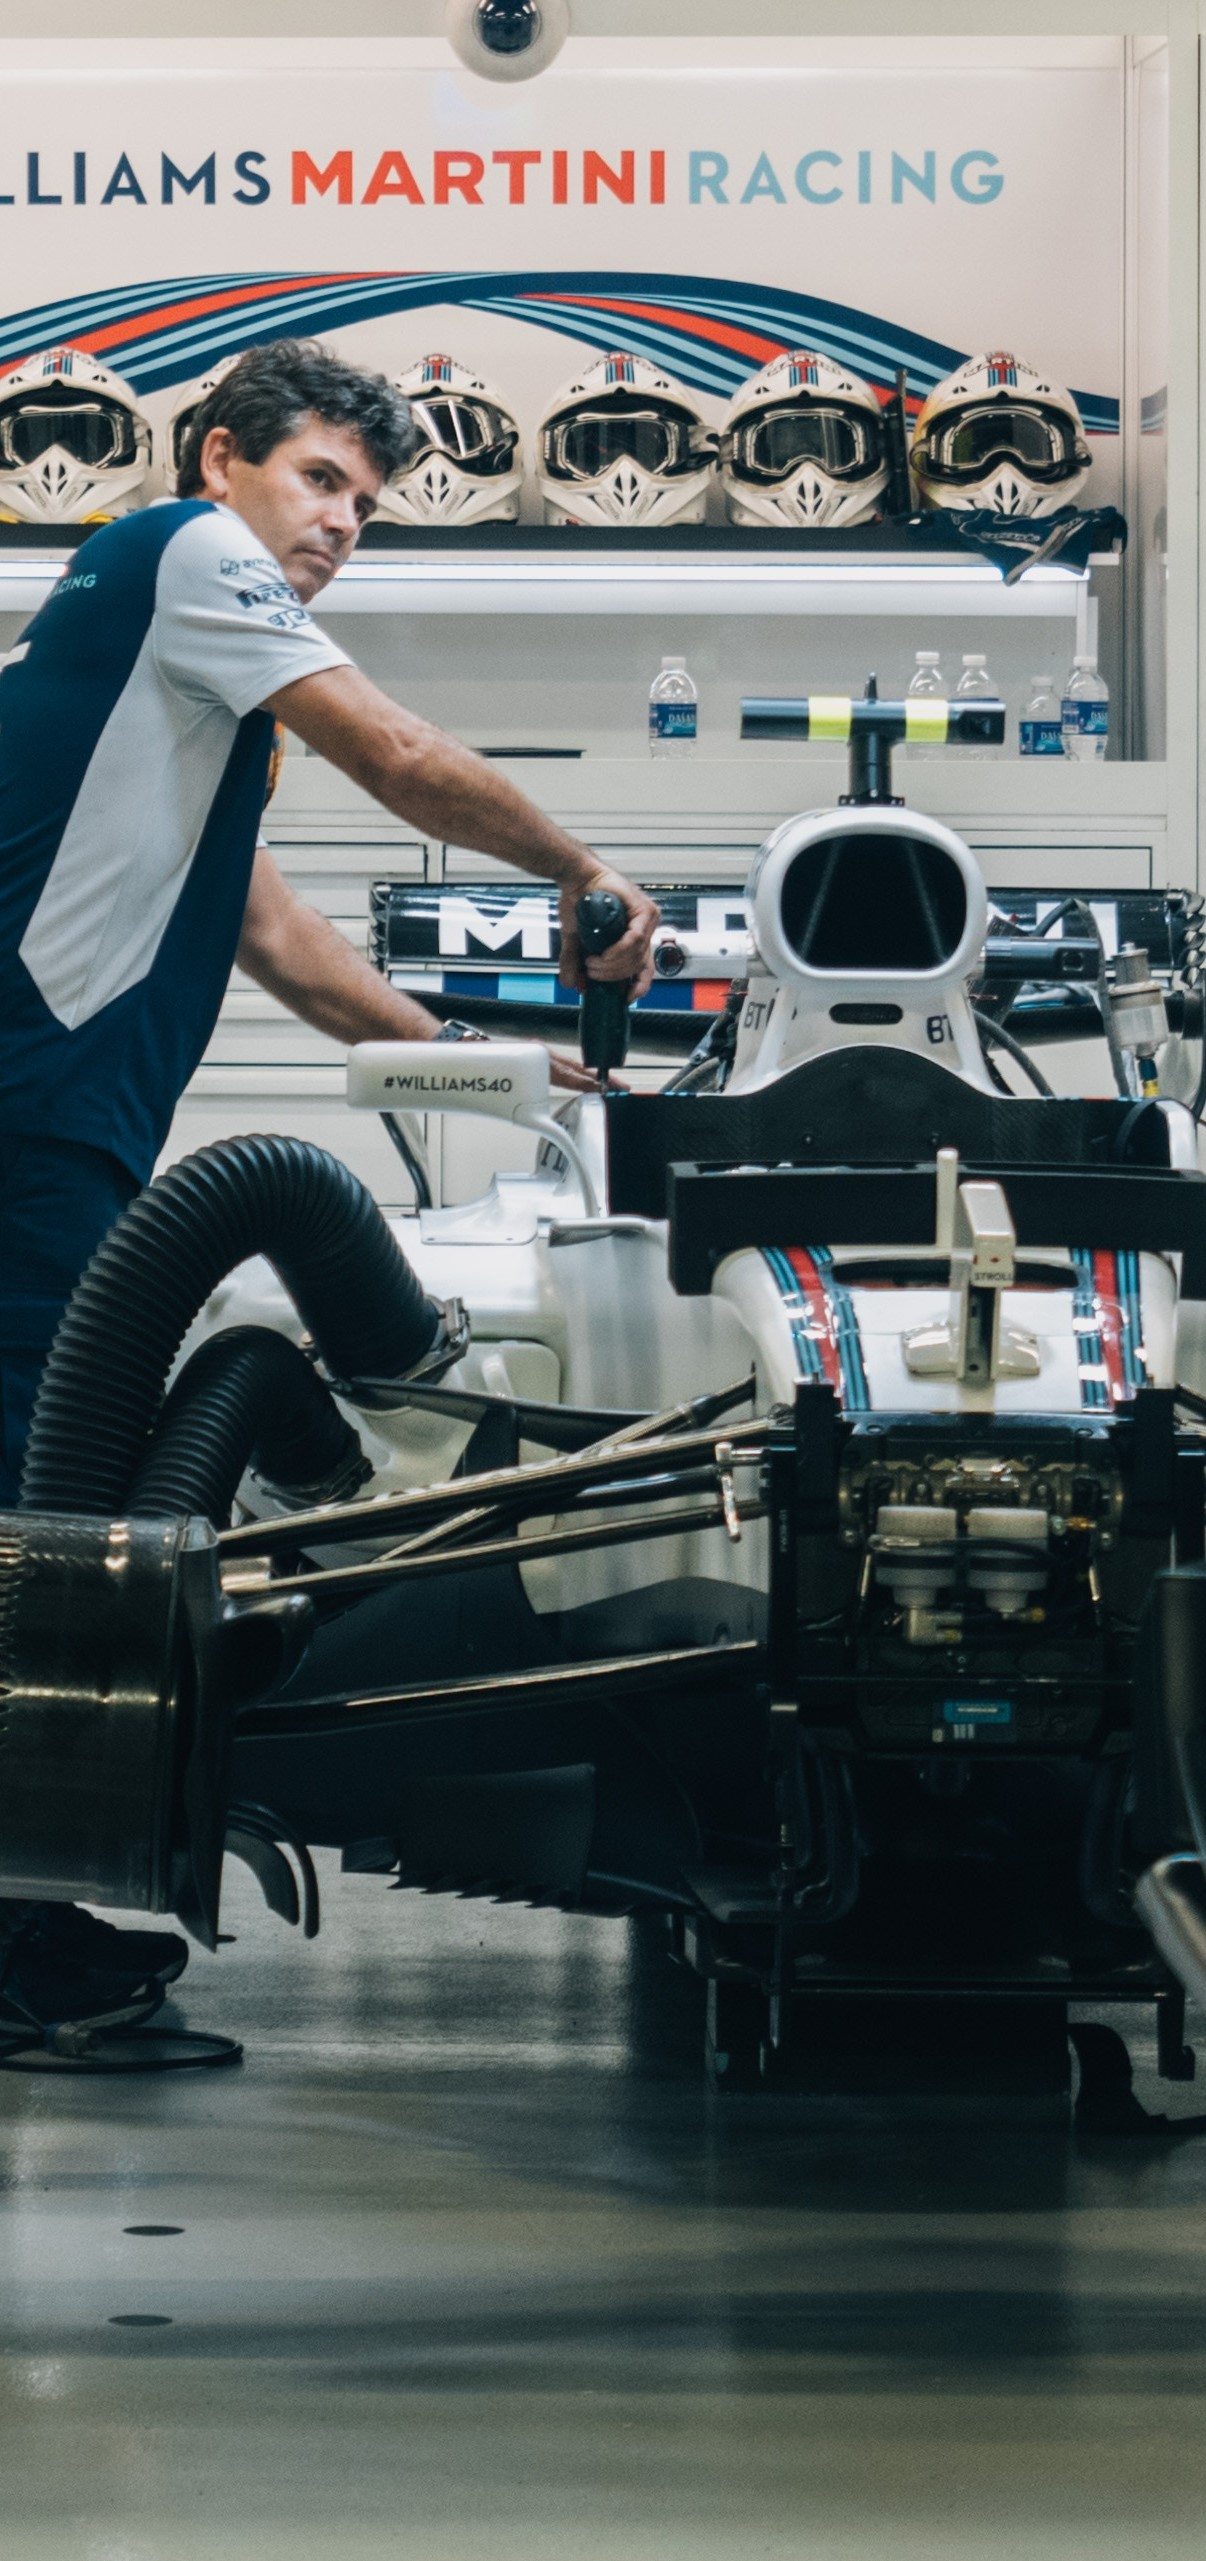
472,2269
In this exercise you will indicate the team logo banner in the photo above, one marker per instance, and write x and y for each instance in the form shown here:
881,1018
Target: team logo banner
381,198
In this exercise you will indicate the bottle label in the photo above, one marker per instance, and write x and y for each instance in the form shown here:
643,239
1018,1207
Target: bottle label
673,719
1088,719
1040,738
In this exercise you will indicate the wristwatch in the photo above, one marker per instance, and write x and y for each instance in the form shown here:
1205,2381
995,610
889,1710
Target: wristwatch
452,1030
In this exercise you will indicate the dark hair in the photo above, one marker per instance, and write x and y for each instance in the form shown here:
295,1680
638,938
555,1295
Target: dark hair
272,390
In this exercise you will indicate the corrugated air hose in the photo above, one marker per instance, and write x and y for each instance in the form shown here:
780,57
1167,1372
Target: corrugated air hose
317,1225
248,1396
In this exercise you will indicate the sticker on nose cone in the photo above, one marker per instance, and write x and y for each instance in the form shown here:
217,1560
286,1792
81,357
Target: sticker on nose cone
966,1717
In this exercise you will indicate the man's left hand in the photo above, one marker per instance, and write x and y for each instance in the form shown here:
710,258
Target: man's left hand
571,1076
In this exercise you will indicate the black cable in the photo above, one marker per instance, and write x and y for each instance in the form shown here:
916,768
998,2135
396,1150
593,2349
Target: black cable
1117,1058
996,1078
1066,907
695,1076
996,1032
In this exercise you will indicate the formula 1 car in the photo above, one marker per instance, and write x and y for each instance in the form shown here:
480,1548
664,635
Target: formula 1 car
781,1512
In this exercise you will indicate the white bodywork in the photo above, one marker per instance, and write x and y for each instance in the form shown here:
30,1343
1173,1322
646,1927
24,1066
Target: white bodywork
569,1305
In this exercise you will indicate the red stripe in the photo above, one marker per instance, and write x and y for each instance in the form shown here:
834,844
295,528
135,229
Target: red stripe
1108,1311
816,1299
719,333
710,995
167,315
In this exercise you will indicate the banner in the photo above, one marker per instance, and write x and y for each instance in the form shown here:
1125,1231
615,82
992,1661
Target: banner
391,204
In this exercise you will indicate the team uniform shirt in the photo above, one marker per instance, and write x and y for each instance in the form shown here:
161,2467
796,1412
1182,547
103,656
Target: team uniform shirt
133,767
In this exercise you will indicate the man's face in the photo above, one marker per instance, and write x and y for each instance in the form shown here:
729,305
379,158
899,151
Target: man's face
306,502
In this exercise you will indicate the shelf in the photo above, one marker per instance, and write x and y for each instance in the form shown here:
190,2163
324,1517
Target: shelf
749,586
524,569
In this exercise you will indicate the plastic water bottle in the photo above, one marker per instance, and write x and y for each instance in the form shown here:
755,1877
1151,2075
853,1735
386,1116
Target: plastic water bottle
1040,730
975,685
673,710
926,684
1085,713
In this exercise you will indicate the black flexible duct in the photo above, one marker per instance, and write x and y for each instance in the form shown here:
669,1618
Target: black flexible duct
246,1396
281,1197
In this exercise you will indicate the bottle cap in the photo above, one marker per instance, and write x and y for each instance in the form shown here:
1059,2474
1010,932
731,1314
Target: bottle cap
1085,660
974,658
673,662
1043,684
927,657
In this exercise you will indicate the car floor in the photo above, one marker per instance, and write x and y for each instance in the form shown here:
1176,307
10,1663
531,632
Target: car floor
471,2266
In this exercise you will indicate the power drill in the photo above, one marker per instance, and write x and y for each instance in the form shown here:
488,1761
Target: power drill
602,919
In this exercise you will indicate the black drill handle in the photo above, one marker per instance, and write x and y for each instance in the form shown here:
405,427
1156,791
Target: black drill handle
602,920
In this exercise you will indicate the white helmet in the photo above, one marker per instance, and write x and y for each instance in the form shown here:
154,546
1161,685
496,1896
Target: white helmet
996,434
466,468
803,444
74,444
188,403
623,445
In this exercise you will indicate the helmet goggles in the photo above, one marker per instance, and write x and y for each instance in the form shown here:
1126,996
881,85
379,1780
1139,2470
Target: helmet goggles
968,443
660,440
770,444
475,435
99,434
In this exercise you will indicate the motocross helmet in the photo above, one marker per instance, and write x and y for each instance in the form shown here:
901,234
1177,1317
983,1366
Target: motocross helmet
182,417
623,445
996,434
74,445
803,444
466,467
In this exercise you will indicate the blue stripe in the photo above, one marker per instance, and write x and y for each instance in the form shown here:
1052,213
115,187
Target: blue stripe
705,369
809,1361
856,1394
1130,1296
170,352
1094,1392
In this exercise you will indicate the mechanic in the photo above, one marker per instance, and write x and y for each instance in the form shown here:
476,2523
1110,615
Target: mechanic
137,719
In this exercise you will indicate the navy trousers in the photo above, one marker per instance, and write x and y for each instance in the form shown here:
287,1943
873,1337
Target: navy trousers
57,1201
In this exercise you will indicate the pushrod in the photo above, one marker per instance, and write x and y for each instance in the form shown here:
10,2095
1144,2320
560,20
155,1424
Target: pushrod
509,1484
335,1582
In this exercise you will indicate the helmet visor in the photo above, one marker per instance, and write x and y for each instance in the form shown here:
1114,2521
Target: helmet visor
1042,443
96,433
845,443
472,433
661,441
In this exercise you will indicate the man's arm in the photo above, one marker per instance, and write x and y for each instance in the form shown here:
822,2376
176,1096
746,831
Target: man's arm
445,790
298,956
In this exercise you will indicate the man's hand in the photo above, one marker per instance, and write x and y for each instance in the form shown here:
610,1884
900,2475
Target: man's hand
570,1074
631,957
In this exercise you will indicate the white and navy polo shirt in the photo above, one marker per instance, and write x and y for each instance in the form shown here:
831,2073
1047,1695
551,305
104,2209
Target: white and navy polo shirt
133,767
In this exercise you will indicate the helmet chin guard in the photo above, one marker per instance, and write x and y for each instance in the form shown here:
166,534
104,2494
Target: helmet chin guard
624,445
467,466
997,434
74,444
803,445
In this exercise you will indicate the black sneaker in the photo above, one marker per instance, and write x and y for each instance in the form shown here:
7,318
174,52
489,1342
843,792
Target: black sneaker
62,1938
